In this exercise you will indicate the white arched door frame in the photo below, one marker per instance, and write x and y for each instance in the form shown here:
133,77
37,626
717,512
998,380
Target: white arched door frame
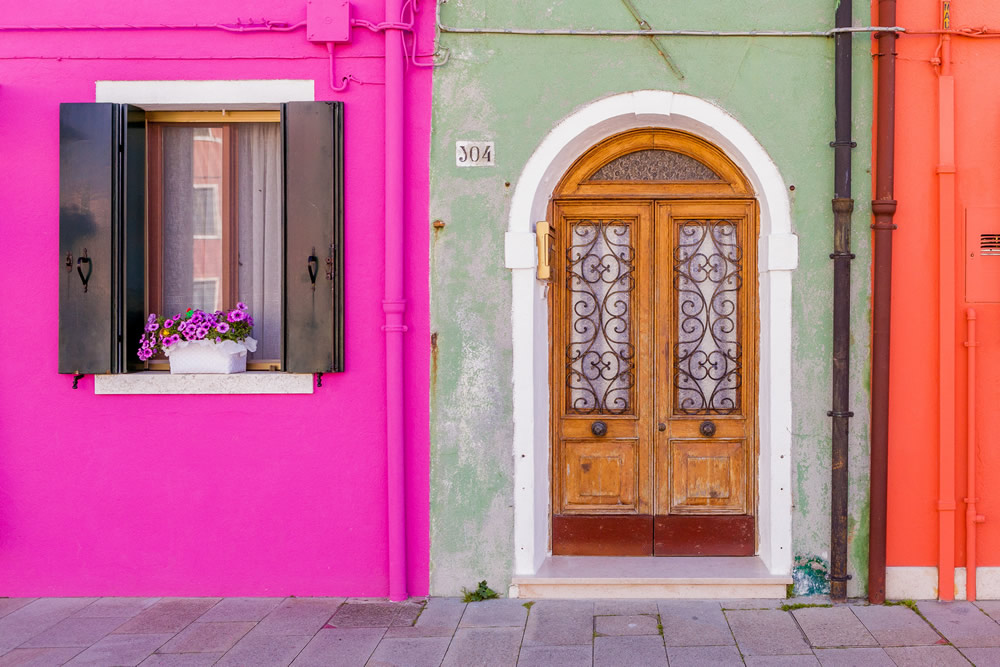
777,255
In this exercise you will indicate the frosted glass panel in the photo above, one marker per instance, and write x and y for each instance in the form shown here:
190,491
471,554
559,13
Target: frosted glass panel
708,353
600,354
655,165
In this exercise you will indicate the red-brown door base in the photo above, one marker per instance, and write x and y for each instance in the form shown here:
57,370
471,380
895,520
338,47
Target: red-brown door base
725,535
644,535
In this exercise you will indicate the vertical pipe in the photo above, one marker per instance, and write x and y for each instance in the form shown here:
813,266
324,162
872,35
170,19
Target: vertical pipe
843,205
946,315
971,518
394,303
884,209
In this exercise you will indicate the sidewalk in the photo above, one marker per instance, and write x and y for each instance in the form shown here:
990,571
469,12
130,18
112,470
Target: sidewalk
335,631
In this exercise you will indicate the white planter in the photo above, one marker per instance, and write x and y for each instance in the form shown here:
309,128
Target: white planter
205,356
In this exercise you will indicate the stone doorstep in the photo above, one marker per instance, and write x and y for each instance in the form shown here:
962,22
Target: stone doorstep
662,578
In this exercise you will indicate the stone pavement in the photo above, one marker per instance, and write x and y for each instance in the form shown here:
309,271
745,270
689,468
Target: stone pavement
445,631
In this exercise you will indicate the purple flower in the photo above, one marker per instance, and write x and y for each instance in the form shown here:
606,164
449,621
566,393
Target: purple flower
222,327
151,318
250,320
237,316
152,326
168,324
241,305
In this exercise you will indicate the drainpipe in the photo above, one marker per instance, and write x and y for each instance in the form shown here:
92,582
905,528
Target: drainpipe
971,517
946,314
394,304
843,205
884,209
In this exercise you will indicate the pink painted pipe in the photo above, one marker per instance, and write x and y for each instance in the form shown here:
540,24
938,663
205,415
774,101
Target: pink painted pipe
394,303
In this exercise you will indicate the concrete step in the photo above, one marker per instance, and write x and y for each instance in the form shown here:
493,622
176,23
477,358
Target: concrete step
575,577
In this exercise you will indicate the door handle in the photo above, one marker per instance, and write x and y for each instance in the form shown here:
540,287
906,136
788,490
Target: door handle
661,427
312,265
599,429
707,429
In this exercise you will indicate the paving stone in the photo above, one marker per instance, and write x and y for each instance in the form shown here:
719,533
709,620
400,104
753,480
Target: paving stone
853,657
990,607
416,632
556,656
365,615
983,657
180,660
703,656
116,607
629,651
38,657
495,613
483,647
895,625
442,613
240,609
752,603
8,605
259,649
625,607
168,615
339,646
560,623
409,611
833,626
779,660
962,623
620,626
766,632
299,616
128,649
36,617
926,656
74,631
427,651
694,623
207,637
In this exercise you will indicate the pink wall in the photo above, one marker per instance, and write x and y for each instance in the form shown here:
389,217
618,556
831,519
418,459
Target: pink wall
123,495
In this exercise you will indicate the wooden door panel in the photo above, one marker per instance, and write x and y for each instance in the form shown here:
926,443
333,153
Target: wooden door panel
703,477
600,358
698,535
600,475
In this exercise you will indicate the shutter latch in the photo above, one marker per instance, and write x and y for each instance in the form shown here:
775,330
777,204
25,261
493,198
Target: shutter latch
329,262
80,261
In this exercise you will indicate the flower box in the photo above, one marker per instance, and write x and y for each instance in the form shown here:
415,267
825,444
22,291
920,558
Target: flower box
205,356
200,342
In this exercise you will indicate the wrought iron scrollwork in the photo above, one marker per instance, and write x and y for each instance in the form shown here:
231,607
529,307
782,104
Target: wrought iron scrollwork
600,355
708,366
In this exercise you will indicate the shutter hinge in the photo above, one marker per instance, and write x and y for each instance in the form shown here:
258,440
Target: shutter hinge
330,267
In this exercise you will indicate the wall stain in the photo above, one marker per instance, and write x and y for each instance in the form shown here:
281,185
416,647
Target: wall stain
434,361
810,576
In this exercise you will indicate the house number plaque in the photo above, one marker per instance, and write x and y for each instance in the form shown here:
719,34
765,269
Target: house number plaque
474,154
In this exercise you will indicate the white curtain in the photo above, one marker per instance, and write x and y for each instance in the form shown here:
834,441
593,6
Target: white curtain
259,166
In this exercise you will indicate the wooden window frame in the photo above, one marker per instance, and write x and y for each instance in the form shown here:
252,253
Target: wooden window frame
229,122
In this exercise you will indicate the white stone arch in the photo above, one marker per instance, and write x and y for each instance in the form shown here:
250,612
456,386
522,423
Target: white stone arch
778,257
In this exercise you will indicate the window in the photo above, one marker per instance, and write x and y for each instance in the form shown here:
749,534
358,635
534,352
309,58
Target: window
162,211
214,218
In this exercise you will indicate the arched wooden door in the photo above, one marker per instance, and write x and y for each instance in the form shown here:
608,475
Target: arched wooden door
654,351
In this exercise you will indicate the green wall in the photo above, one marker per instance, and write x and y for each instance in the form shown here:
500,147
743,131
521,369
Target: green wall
513,90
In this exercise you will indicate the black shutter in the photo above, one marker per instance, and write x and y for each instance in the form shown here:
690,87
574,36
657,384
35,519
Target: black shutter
133,244
313,337
88,146
102,245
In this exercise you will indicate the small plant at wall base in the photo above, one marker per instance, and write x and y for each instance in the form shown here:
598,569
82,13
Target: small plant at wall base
483,592
189,336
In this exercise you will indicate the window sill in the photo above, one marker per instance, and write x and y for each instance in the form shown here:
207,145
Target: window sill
158,382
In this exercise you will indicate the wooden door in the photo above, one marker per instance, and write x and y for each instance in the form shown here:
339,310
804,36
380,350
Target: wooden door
653,371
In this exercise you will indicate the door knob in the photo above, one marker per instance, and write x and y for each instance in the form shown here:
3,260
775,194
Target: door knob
661,427
599,428
707,429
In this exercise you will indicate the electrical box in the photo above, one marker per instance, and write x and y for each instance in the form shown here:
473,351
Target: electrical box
328,20
982,254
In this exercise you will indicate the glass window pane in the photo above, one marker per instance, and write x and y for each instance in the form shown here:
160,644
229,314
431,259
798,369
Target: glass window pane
600,356
655,165
708,361
259,207
192,171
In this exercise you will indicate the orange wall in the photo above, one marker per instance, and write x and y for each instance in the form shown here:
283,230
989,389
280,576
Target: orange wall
914,414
